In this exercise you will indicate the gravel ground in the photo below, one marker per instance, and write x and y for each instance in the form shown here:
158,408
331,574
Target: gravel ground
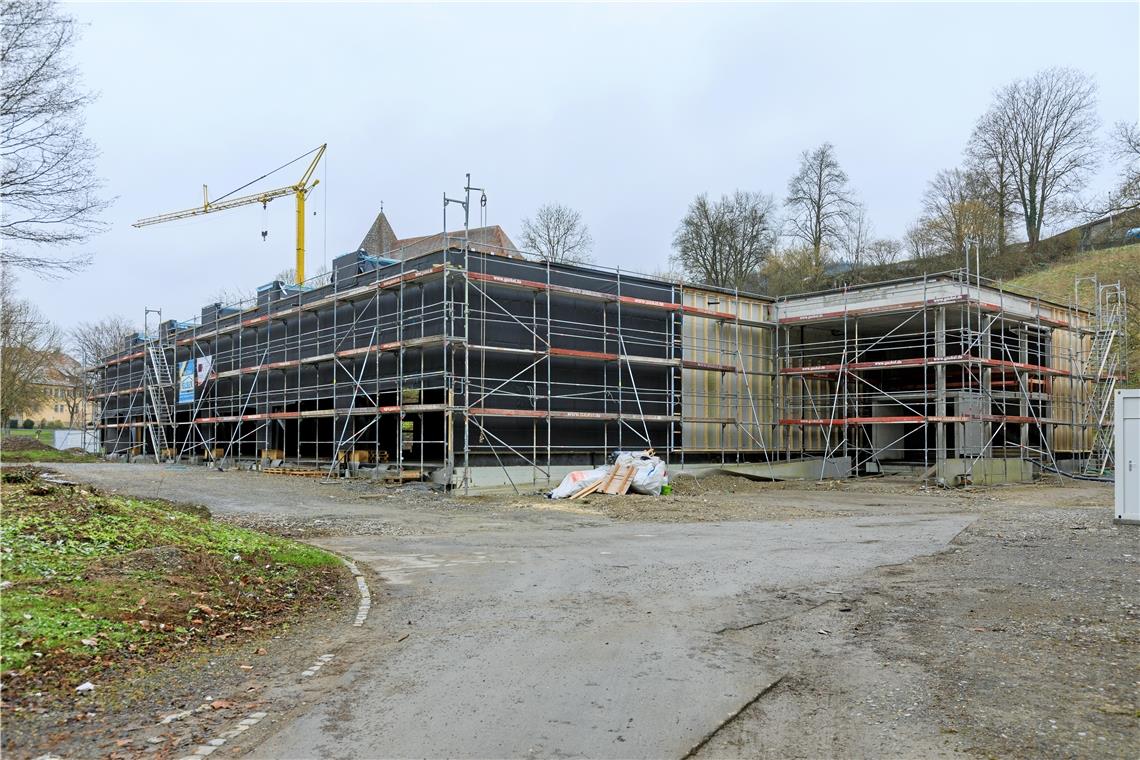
122,717
1022,639
721,498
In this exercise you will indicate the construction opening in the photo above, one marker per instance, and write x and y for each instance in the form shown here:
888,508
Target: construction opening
453,358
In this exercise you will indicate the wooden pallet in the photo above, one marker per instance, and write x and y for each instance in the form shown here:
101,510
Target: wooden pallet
294,471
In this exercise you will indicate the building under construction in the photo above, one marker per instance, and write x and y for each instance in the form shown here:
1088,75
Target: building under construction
456,359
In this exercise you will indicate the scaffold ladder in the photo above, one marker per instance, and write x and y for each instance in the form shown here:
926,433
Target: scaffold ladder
1101,367
157,379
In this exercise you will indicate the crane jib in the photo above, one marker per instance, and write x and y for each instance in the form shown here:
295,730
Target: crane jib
298,190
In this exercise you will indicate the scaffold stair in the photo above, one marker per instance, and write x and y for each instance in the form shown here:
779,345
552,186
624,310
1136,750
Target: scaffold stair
159,414
1101,368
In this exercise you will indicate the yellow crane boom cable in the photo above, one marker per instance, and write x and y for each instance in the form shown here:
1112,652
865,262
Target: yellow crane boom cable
267,174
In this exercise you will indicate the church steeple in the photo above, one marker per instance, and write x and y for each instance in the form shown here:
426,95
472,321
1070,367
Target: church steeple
380,239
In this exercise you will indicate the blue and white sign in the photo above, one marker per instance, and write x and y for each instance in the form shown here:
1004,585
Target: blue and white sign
186,382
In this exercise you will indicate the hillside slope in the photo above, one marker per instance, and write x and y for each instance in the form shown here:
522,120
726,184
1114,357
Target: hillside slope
1112,265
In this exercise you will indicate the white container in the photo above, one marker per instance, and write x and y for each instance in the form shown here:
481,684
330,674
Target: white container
76,439
1128,456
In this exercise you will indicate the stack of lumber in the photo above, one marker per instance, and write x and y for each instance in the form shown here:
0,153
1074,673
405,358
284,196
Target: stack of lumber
403,476
304,473
616,482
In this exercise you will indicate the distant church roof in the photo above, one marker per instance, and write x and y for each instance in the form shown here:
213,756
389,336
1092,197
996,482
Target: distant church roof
381,240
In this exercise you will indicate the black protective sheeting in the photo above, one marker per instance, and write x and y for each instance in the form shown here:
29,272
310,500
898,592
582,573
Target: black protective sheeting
402,347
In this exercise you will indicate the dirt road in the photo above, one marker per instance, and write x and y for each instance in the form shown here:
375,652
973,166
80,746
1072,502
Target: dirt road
730,619
591,642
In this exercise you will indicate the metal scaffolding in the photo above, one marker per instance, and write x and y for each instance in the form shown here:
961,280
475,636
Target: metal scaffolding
955,374
448,361
469,359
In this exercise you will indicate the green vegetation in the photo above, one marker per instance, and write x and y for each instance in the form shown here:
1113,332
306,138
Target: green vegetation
40,434
1109,265
27,448
46,456
92,581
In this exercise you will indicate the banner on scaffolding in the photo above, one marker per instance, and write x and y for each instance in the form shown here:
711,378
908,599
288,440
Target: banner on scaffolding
186,382
204,369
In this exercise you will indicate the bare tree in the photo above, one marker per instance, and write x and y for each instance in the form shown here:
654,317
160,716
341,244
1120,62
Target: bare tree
942,207
1127,139
988,154
669,274
921,242
819,201
857,236
1046,125
558,235
883,252
232,295
49,190
724,243
92,342
956,209
1126,150
27,344
78,387
321,276
797,269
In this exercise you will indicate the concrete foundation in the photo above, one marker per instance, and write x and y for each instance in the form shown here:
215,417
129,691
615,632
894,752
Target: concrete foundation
985,471
803,469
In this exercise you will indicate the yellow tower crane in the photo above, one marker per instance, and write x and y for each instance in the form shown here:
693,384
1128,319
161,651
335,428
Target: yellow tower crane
298,190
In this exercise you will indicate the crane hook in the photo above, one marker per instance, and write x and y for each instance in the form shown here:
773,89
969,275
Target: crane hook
264,221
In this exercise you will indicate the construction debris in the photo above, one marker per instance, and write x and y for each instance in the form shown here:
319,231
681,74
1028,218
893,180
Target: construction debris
637,471
295,471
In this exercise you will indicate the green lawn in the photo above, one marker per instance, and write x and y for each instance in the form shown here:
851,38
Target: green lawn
1111,265
46,456
92,581
31,446
43,436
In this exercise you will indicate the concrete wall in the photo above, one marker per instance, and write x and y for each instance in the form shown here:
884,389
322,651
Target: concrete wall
986,471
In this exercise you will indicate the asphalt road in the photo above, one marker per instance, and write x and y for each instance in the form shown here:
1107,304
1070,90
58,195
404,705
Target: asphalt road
587,641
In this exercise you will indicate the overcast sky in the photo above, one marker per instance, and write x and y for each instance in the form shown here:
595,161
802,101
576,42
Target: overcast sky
624,112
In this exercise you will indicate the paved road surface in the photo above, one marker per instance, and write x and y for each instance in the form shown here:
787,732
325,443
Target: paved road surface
593,641
549,634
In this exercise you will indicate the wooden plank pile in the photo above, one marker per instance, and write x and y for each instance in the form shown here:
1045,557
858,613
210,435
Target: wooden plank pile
616,482
294,471
362,456
403,476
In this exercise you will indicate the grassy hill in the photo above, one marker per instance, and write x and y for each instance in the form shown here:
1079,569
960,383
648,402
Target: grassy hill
1109,265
